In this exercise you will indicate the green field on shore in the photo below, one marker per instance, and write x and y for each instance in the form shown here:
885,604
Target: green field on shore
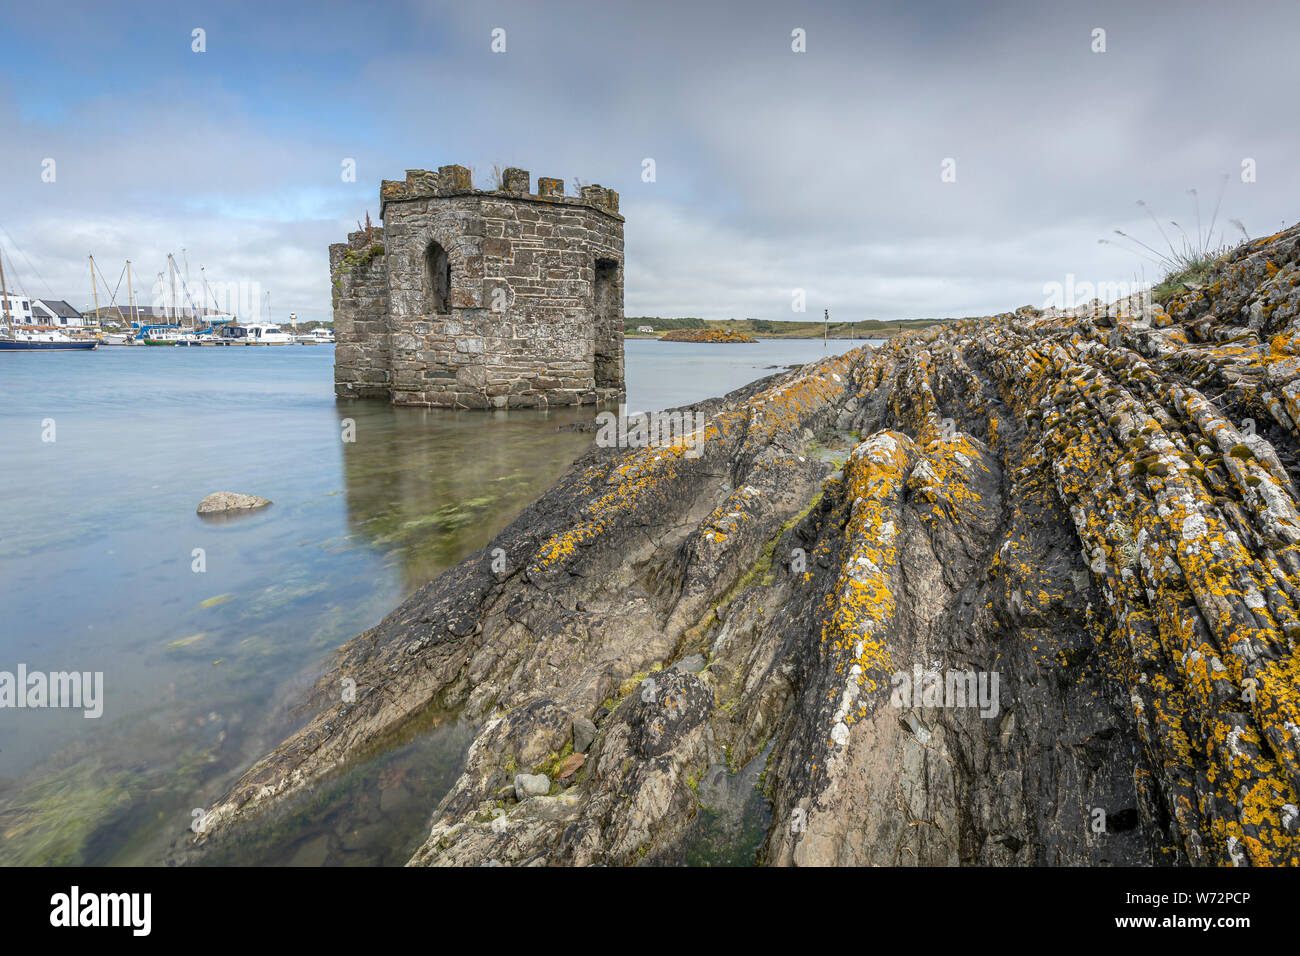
765,329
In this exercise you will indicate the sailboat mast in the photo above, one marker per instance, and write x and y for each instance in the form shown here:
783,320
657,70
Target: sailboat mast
4,293
171,278
130,295
94,292
194,312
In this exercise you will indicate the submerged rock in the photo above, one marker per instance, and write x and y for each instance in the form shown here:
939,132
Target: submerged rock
1015,590
222,502
692,664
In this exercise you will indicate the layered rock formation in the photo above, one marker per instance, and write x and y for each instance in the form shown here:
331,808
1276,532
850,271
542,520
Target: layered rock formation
1090,520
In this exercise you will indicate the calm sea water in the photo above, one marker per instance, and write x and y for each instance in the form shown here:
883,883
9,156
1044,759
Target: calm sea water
205,631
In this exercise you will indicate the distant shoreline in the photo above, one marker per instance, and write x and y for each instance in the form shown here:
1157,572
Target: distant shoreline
658,337
772,329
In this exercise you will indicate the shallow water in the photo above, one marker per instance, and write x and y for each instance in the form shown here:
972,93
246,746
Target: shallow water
205,631
733,818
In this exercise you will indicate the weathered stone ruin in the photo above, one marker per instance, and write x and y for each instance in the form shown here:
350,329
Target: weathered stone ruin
470,298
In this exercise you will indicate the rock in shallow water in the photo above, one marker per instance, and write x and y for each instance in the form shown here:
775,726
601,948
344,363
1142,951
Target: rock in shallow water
691,664
222,502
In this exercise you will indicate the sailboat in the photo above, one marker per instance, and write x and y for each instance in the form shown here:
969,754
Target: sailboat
173,333
119,338
35,339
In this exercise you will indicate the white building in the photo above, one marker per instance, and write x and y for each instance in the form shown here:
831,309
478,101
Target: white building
25,311
19,309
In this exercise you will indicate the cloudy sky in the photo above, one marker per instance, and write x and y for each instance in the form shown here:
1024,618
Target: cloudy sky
775,170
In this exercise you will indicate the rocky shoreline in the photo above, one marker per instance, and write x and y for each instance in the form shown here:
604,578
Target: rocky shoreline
1093,517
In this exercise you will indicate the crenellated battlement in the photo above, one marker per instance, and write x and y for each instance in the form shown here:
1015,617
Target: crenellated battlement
482,298
515,184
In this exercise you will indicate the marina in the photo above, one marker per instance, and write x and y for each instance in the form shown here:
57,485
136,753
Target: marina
30,324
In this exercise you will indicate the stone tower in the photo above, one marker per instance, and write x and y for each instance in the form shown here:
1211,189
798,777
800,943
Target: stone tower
470,298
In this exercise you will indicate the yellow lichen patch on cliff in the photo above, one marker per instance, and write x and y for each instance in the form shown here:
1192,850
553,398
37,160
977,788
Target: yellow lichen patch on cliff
728,516
943,476
862,604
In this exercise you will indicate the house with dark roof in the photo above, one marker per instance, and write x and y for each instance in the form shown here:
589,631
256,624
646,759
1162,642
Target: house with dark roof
55,312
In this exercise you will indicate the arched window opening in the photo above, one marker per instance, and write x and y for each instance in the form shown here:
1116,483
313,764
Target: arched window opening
437,280
607,304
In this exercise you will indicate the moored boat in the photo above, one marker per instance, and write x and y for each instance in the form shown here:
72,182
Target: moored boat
261,333
232,334
164,335
41,340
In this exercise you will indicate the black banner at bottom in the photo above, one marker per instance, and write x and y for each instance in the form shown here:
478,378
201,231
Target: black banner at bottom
341,905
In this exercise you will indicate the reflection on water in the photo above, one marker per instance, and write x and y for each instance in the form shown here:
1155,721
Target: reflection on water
428,487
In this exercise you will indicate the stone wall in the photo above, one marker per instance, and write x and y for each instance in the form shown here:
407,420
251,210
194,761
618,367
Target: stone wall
362,366
483,298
